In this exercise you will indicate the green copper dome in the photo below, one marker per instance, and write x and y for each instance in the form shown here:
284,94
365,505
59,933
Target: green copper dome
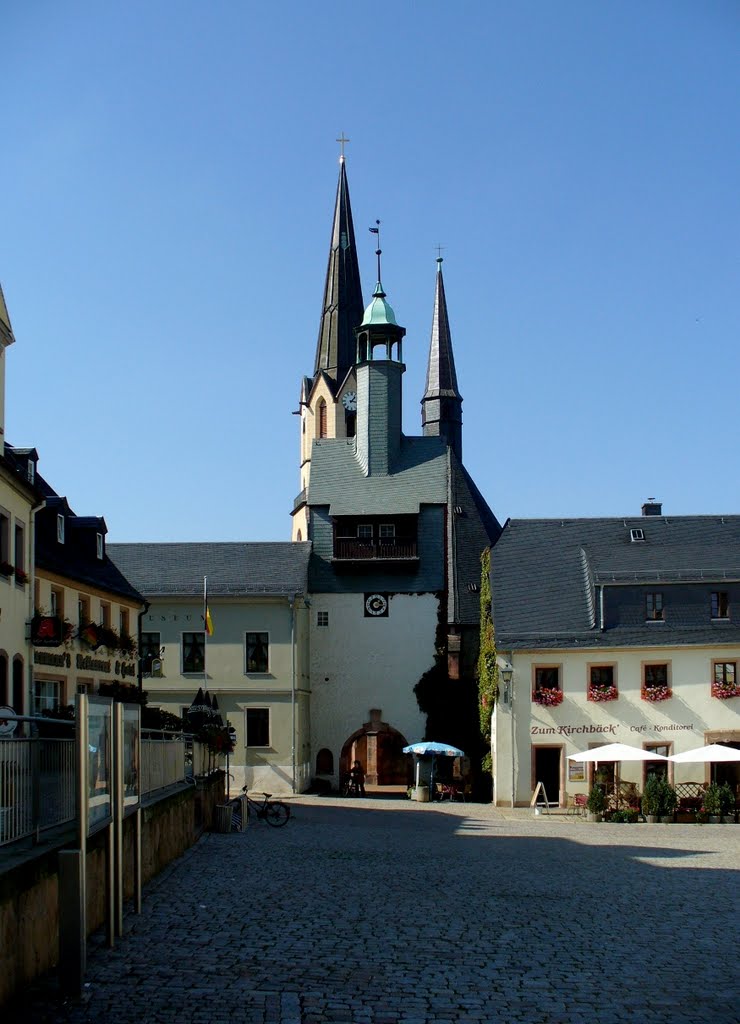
379,311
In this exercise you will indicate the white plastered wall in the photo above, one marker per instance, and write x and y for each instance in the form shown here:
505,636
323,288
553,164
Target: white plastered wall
359,663
683,721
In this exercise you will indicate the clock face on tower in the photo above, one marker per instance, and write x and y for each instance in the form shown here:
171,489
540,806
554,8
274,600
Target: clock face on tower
376,605
349,401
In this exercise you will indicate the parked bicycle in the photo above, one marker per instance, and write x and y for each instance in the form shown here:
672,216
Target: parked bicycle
274,812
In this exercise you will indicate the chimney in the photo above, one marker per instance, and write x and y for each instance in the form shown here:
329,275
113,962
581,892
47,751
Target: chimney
652,508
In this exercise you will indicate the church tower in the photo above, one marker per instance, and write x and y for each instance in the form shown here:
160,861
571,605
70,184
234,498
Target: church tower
328,401
441,406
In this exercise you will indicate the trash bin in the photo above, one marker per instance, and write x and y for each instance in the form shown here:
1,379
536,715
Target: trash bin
224,814
422,794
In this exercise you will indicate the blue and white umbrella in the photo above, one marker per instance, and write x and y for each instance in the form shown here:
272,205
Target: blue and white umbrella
434,748
430,748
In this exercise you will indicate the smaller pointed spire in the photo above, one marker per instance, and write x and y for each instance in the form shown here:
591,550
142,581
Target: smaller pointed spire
442,402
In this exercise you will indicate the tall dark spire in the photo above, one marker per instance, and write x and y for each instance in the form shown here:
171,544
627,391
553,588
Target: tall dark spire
343,305
441,406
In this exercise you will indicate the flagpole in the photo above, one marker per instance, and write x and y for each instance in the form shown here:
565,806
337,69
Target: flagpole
205,631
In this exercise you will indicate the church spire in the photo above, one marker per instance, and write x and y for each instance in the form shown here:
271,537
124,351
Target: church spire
343,305
441,406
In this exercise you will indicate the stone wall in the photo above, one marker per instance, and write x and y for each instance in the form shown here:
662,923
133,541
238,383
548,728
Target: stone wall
29,891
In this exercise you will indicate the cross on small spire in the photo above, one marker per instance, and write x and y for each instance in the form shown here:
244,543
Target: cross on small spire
439,249
342,141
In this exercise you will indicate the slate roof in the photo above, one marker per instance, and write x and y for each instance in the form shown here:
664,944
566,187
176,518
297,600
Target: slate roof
441,376
546,574
474,527
343,305
233,569
337,479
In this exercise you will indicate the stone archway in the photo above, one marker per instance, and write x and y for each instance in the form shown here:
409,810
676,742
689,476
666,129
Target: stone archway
379,748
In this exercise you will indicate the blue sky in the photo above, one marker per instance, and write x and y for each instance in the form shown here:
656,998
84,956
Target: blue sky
167,185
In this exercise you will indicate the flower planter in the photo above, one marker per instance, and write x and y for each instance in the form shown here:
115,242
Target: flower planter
714,819
599,694
666,819
652,694
652,819
548,697
592,816
728,819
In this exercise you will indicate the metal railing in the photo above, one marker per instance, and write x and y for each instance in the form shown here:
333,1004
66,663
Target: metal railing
162,761
37,785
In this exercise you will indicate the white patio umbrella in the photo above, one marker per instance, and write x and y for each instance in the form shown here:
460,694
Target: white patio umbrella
617,752
701,755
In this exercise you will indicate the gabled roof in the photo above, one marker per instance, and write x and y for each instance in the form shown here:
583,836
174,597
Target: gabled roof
545,575
337,479
233,569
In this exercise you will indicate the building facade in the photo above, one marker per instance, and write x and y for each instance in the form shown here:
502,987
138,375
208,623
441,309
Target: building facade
84,619
19,498
618,630
255,663
396,526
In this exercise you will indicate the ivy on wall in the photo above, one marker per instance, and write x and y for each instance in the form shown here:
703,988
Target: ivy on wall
487,667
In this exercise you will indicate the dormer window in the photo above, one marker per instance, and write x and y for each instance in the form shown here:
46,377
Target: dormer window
654,607
60,529
720,605
637,535
99,545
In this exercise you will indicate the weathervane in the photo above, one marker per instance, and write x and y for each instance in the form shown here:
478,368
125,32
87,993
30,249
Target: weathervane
378,251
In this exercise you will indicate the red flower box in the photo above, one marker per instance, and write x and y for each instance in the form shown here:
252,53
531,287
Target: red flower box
602,692
724,691
656,693
548,697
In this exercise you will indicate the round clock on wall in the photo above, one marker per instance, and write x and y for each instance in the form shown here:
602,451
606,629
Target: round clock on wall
349,401
376,604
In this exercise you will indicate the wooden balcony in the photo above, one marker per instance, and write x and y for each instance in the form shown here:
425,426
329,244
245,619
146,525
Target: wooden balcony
350,549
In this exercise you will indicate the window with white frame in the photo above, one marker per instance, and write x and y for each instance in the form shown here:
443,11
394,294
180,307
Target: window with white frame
258,727
99,545
257,647
149,650
193,652
46,695
387,533
654,607
60,529
365,531
4,538
20,553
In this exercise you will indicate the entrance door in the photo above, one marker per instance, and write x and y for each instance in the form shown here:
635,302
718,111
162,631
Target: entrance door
547,771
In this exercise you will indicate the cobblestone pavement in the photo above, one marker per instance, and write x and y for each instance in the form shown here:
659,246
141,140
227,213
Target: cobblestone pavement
385,912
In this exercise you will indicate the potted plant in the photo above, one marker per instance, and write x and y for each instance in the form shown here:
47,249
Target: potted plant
727,803
712,805
596,803
668,802
651,798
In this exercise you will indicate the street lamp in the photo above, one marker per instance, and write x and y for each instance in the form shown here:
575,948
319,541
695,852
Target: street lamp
507,674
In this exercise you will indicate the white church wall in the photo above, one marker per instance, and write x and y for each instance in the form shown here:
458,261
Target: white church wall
360,662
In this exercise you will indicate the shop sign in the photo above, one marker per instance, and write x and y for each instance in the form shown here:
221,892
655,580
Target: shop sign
46,631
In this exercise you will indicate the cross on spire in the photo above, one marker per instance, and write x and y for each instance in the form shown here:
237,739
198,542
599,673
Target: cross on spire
439,249
342,141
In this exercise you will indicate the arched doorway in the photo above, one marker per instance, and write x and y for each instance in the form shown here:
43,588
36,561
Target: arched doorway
379,748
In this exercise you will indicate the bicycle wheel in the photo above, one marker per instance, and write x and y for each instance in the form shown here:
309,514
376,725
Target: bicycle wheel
277,814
